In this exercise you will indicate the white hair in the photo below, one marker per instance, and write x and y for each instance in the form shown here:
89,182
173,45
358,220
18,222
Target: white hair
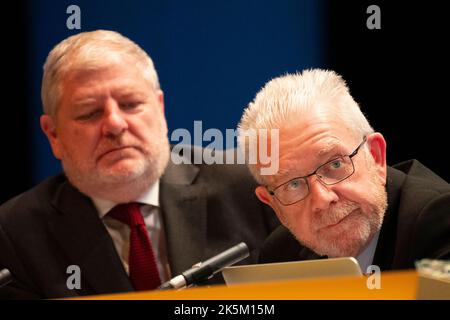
89,51
283,100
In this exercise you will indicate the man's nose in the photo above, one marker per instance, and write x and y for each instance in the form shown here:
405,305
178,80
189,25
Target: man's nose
114,122
322,195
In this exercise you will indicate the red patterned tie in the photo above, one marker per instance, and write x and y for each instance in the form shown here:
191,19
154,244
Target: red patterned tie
142,265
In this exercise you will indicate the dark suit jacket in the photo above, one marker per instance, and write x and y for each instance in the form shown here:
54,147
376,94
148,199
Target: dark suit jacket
416,223
206,209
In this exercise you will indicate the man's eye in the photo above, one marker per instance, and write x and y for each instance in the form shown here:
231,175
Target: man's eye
89,115
129,105
293,185
336,164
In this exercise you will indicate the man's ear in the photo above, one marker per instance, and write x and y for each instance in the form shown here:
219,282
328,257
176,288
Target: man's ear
263,195
160,98
48,126
160,95
377,147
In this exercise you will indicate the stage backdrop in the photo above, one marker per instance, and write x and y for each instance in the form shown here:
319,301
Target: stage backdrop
211,56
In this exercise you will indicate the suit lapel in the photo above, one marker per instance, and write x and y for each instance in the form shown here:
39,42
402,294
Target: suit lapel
85,241
183,205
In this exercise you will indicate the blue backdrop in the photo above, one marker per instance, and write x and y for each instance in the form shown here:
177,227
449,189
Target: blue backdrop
211,56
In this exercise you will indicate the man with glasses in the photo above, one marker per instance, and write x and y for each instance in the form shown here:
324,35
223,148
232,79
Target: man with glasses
333,192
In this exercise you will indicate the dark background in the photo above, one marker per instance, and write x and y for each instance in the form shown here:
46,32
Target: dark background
213,56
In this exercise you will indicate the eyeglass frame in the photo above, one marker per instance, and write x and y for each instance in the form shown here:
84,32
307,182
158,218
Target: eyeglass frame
350,156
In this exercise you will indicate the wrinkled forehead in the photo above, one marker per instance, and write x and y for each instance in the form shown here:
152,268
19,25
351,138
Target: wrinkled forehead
76,65
79,63
303,148
321,117
118,80
119,70
313,125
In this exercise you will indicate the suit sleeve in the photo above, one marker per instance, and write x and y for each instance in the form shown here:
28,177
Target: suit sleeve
17,289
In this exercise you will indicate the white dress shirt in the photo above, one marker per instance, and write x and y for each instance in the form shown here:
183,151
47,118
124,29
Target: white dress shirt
365,258
120,232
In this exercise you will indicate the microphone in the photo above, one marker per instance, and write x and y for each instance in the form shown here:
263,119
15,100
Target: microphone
5,277
205,270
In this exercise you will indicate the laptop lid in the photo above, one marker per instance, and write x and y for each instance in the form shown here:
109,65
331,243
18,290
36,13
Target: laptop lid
291,270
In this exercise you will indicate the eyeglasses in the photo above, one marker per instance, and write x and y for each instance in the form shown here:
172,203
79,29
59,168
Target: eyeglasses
332,172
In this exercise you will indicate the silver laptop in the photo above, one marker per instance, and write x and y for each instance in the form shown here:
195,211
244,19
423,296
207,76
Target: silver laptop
291,270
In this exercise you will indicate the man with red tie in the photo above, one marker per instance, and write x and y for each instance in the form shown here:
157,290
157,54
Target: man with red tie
122,212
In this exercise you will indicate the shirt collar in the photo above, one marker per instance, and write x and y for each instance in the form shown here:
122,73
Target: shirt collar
365,258
149,197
